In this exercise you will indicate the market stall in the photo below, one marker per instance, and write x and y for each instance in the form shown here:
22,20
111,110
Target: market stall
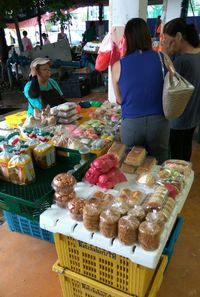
91,173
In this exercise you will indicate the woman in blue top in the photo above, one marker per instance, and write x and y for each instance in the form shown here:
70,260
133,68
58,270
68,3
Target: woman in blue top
182,40
42,90
138,85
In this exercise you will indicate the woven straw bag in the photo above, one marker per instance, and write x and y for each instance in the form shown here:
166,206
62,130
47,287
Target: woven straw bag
176,91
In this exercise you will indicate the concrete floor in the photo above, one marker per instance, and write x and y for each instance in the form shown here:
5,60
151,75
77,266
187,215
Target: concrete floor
26,262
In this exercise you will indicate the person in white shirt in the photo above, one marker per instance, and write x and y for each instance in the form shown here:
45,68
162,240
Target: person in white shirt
62,34
45,38
27,44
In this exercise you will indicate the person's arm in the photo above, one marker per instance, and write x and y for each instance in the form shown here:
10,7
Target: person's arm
116,69
34,90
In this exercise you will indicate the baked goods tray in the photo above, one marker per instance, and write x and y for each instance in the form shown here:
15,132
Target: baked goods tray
58,220
31,200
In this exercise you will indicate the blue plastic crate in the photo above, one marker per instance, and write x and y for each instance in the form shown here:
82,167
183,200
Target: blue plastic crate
25,226
168,250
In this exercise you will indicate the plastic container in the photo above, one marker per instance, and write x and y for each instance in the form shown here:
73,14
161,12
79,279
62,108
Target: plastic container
76,285
22,225
31,200
103,266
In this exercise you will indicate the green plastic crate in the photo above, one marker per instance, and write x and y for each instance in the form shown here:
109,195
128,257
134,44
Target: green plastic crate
31,200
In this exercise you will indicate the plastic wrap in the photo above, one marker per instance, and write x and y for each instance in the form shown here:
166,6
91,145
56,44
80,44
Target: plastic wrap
149,236
105,163
63,182
128,229
62,198
109,223
75,207
147,165
182,166
4,160
91,217
136,156
21,169
138,212
45,155
111,178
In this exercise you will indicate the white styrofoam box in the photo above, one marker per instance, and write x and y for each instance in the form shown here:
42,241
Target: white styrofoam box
58,220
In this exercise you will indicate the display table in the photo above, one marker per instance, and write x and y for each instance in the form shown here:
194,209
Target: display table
58,220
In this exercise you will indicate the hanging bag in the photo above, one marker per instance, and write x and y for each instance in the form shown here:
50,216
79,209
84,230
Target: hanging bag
176,91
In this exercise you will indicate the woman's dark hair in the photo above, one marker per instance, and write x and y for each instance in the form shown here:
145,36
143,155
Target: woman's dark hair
188,31
137,36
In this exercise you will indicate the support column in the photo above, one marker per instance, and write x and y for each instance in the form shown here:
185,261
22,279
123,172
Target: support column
120,12
171,10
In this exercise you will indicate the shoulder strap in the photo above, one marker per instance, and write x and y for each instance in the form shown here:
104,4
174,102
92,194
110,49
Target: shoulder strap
162,64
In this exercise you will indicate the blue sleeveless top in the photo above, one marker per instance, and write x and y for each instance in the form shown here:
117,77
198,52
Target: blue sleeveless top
141,84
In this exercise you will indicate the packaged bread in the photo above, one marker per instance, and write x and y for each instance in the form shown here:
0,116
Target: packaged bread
62,199
4,160
146,179
129,196
136,156
118,149
32,143
156,217
108,225
168,208
21,169
75,207
91,217
182,166
128,229
138,212
45,155
157,199
147,165
127,168
119,207
149,235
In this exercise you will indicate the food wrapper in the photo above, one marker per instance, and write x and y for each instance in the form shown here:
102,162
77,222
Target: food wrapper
4,160
146,179
45,155
182,166
128,230
21,170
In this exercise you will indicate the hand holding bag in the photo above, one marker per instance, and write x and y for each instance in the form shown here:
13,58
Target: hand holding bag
176,91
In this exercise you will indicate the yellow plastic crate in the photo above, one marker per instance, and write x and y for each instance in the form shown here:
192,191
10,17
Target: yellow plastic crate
16,119
76,285
105,267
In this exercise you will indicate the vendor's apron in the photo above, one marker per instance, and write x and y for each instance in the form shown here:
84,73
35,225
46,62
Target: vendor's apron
51,97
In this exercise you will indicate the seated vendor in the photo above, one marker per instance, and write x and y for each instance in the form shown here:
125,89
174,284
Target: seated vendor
41,89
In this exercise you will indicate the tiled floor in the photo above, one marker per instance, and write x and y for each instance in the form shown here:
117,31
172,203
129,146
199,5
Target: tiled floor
26,262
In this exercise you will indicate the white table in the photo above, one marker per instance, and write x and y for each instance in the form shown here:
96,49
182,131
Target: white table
58,220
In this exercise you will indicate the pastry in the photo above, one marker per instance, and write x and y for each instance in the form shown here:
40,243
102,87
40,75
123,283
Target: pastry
136,156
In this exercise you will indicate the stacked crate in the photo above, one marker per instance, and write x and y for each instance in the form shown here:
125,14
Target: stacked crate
23,204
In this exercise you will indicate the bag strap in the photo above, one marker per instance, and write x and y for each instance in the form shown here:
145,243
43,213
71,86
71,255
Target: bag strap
162,65
168,64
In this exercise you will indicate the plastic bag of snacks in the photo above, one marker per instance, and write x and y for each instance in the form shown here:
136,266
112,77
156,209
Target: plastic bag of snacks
128,229
21,169
4,160
111,178
45,155
182,166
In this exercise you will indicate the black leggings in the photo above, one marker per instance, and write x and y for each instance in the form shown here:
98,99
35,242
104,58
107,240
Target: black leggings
181,143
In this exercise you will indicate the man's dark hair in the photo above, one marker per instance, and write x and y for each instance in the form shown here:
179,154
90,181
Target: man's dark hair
24,33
